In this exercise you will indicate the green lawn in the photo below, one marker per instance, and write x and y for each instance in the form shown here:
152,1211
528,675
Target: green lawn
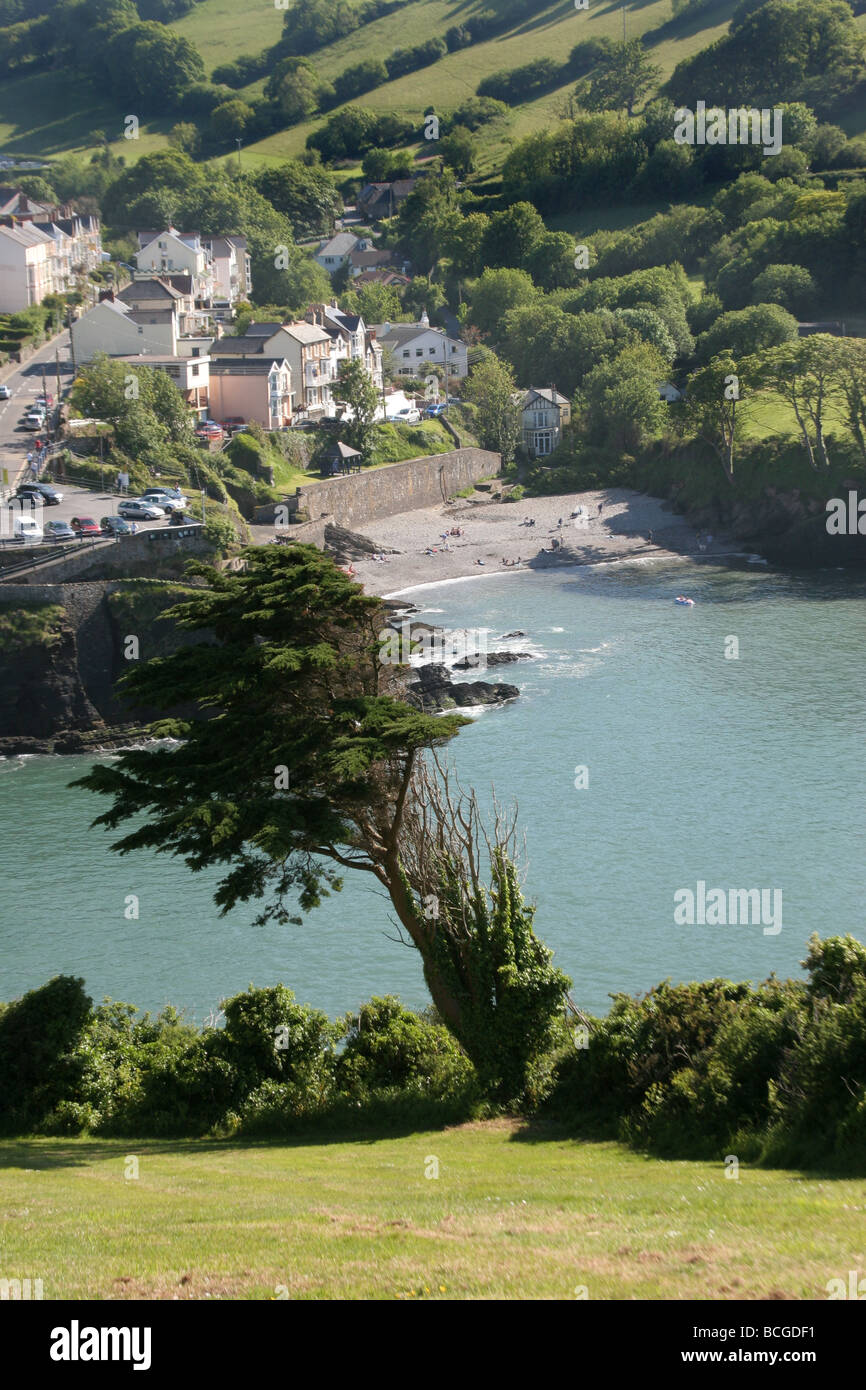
504,1219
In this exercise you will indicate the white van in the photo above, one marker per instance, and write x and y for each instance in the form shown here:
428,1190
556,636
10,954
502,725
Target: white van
26,530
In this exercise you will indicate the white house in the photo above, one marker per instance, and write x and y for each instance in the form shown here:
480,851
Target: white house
335,253
174,252
413,345
544,415
112,327
25,267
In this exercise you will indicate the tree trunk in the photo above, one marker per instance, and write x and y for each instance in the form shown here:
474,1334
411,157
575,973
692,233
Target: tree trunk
420,932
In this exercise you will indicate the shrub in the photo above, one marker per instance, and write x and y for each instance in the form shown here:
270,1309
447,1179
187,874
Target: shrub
388,1048
38,1036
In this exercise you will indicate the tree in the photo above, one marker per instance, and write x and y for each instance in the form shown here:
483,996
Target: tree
359,393
153,64
849,357
804,373
296,89
375,302
229,121
494,293
457,149
307,197
620,399
792,286
714,410
491,387
745,331
513,235
184,136
302,760
625,74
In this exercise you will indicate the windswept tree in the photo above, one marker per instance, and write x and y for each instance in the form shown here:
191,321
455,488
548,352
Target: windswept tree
804,373
715,410
301,759
849,358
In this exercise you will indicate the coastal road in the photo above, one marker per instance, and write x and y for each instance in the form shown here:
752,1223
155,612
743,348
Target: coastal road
25,383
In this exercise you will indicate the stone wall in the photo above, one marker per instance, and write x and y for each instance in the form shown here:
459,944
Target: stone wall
379,492
149,555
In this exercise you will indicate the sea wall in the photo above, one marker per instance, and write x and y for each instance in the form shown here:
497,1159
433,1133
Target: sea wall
352,500
148,555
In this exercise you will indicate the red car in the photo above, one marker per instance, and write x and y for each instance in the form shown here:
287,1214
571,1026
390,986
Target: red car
85,526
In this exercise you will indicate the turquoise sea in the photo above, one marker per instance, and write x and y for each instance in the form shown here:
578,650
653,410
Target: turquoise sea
738,772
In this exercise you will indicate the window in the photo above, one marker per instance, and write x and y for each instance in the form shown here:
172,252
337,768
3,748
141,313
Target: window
453,347
406,352
542,442
540,417
419,352
194,369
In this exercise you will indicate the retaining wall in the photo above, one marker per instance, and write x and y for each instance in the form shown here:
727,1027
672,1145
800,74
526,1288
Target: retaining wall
379,492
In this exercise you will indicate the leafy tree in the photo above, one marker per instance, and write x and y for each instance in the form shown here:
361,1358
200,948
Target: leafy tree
307,197
463,241
714,410
804,373
624,77
849,359
184,136
376,303
153,64
360,77
457,149
358,391
303,760
296,89
229,121
512,236
621,405
494,293
491,388
746,331
789,285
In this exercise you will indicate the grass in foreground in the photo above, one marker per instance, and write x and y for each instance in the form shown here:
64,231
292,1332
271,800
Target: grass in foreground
360,1219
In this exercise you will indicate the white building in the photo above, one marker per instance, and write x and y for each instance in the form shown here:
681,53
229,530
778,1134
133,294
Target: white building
112,327
413,345
25,267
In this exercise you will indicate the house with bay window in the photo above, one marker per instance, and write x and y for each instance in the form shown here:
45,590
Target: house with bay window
544,414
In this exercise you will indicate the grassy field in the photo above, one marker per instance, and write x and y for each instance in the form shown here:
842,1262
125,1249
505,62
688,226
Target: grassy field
49,112
503,1219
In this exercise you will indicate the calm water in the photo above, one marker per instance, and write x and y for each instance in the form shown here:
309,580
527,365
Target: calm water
741,773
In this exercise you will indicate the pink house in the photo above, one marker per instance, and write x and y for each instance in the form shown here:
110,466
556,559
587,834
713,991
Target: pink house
251,388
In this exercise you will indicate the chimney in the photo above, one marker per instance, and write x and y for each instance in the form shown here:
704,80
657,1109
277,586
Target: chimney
106,294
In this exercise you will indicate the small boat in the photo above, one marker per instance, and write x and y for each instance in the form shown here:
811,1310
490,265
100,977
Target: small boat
689,602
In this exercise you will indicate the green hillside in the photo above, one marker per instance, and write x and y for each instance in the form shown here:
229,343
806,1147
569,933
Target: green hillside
48,113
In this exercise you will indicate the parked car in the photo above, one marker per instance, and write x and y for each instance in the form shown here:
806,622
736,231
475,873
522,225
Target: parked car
138,510
85,526
160,497
59,531
45,401
435,408
117,526
5,393
33,421
232,424
209,429
409,415
49,494
26,529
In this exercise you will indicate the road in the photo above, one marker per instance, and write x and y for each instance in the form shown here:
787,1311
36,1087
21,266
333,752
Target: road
25,383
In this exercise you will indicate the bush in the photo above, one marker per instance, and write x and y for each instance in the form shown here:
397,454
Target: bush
38,1037
390,1049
